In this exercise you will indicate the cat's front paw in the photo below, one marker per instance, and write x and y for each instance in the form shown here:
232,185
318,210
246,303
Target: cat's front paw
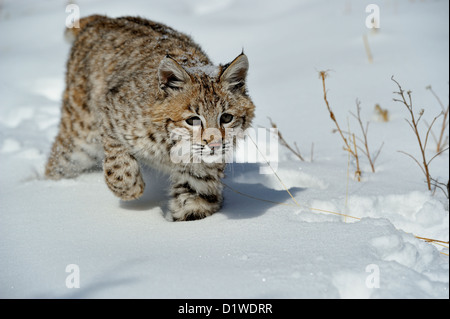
188,206
124,179
188,216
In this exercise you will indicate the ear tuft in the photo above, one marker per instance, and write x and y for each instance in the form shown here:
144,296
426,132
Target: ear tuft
171,75
234,74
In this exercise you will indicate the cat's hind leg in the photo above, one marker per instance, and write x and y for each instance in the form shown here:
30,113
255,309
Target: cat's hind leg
77,147
69,157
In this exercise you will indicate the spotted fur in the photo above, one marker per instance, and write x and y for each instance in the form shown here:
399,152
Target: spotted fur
131,87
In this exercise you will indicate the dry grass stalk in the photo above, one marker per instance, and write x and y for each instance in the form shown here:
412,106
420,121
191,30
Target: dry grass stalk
367,47
347,147
365,130
283,142
358,172
383,114
442,141
413,123
445,188
430,240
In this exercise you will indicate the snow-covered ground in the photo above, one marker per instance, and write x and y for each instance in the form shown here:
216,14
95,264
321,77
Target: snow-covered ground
251,248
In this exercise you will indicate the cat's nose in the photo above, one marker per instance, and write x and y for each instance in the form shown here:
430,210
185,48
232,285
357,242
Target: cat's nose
215,146
211,140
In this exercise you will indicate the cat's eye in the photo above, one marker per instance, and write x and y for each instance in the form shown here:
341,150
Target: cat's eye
195,120
226,118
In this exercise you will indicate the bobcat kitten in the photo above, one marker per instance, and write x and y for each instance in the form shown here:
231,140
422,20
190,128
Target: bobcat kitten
136,91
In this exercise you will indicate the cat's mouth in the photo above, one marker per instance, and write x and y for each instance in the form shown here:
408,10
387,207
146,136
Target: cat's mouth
218,151
212,152
214,148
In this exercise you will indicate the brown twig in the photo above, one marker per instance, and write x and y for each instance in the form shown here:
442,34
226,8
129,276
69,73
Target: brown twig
353,152
323,75
358,169
442,141
442,186
284,143
430,240
383,114
414,126
365,131
367,47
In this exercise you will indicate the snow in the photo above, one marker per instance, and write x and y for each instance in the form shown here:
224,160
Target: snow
251,248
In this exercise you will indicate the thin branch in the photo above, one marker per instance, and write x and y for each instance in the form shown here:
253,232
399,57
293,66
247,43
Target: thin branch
441,142
284,143
348,133
436,155
414,123
378,152
364,129
296,147
409,123
323,75
415,160
428,131
364,132
420,116
432,133
358,170
443,187
437,97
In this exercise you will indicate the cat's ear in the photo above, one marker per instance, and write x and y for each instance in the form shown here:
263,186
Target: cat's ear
171,75
234,74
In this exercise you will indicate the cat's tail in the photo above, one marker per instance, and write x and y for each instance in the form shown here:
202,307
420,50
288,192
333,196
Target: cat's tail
72,32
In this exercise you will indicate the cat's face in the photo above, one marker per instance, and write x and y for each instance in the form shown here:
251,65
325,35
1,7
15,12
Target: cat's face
206,109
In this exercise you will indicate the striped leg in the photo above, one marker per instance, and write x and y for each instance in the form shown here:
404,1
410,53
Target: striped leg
77,146
69,158
196,197
122,171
